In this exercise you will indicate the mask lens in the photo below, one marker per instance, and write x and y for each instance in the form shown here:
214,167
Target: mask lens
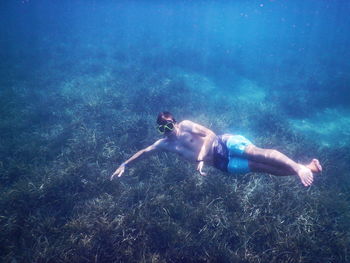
169,126
161,128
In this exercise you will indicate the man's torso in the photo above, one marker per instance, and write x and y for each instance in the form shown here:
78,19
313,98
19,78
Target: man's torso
188,145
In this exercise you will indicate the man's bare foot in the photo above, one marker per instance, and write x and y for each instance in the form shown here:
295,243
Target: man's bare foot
314,166
305,175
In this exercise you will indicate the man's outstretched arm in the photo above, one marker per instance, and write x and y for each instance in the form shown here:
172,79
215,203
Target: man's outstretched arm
158,145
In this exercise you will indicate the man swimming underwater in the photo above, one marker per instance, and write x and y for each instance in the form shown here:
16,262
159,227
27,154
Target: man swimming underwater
228,152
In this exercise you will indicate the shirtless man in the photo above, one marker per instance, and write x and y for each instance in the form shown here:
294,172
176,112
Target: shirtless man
229,153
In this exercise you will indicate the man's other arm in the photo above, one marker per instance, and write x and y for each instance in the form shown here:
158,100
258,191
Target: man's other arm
208,137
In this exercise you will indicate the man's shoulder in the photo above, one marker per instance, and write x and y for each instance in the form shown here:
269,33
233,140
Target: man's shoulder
160,142
164,144
189,125
186,123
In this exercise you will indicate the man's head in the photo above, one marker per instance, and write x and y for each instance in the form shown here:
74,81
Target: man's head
164,117
166,122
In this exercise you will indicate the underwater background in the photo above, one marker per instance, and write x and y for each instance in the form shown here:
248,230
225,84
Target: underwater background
81,84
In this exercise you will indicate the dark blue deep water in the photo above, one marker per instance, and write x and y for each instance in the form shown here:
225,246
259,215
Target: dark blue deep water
81,84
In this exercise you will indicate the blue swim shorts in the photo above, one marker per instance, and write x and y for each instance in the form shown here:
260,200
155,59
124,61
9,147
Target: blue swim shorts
229,153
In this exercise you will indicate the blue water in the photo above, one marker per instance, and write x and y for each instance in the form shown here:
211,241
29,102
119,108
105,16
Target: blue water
81,84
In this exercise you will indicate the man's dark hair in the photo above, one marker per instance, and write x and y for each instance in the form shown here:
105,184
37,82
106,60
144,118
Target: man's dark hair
164,116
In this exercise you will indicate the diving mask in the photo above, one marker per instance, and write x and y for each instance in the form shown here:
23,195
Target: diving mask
168,127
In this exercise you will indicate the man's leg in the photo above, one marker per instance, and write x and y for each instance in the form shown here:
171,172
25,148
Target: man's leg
270,157
275,162
256,167
279,171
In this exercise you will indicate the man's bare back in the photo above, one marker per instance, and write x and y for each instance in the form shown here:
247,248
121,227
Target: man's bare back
229,153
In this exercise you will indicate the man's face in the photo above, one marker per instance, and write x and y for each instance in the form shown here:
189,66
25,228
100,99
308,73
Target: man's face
167,128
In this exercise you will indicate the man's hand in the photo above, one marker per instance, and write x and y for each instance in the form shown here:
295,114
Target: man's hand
200,167
119,171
